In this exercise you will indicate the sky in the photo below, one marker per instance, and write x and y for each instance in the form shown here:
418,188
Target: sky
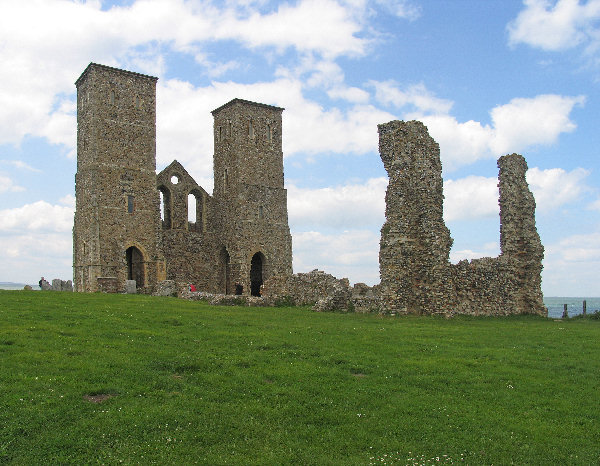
486,77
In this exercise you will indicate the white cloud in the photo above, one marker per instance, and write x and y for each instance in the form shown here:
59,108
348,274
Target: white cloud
26,257
322,26
594,205
47,43
417,95
184,122
36,240
350,206
460,143
7,185
571,265
525,122
577,248
68,200
557,25
471,197
39,216
353,254
555,187
491,249
401,8
20,165
517,125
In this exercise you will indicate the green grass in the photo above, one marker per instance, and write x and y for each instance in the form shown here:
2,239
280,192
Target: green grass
231,385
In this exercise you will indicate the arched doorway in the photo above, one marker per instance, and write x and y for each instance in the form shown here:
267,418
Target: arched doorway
135,265
256,273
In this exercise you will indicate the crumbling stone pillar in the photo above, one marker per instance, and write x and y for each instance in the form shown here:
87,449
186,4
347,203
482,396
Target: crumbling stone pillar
415,242
520,245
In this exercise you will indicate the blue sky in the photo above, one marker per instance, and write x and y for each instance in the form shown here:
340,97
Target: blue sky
487,78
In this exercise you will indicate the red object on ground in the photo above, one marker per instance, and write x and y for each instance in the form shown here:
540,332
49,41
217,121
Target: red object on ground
192,288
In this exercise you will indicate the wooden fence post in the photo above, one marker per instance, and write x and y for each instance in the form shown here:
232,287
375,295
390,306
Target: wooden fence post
565,313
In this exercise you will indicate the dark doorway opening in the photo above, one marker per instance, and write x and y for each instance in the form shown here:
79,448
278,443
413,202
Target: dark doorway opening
135,265
256,273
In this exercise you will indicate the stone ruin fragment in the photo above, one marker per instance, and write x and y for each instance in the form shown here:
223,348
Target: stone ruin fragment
416,274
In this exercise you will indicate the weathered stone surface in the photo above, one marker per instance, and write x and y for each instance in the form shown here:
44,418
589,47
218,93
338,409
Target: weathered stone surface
46,286
306,288
239,239
116,228
166,288
27,288
108,285
130,287
415,243
240,236
416,276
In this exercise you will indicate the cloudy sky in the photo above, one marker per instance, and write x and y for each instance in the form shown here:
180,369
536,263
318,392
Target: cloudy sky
486,77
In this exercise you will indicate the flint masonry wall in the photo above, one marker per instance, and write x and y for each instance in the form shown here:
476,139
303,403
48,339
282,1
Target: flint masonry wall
415,243
190,248
115,234
249,194
416,275
241,234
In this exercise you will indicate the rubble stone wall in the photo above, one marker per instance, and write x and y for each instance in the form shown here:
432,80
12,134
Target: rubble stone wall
240,235
305,288
416,275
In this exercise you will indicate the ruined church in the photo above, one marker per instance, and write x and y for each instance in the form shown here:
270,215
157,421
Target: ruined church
132,223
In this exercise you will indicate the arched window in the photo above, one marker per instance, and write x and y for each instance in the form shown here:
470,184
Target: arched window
195,211
191,208
165,207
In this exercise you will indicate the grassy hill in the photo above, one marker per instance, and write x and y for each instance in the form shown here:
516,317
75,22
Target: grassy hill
95,378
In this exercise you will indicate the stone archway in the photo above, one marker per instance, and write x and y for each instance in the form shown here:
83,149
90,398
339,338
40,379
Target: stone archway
135,266
256,273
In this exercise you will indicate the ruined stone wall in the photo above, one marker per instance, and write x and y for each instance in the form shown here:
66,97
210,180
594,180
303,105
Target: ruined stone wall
190,248
415,243
416,276
520,243
305,288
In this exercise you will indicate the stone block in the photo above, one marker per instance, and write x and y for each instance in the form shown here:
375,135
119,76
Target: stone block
130,287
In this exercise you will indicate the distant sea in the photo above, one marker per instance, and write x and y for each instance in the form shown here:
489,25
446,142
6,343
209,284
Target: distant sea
16,286
554,304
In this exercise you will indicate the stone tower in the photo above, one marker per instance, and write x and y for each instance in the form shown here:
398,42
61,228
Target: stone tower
250,200
116,235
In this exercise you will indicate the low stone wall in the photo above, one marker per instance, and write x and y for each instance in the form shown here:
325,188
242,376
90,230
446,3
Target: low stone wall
305,288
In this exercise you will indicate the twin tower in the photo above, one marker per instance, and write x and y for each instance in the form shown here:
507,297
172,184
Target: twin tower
134,224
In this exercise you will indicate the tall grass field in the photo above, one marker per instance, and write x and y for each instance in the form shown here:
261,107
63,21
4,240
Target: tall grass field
110,379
